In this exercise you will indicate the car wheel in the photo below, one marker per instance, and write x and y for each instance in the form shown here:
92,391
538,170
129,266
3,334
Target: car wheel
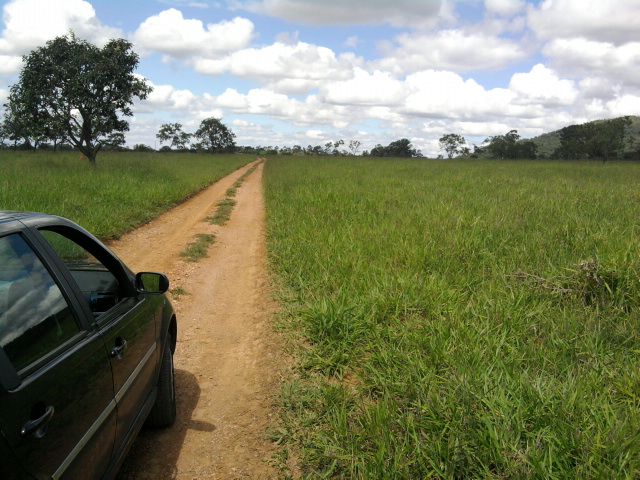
163,413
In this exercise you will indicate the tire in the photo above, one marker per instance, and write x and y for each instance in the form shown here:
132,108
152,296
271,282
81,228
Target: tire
163,413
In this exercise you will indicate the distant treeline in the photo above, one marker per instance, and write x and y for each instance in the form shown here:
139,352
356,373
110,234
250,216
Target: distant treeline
397,149
604,140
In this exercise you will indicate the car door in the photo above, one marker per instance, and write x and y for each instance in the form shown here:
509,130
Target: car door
57,406
125,319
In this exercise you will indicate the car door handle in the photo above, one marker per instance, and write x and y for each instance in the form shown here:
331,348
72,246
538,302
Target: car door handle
118,350
34,426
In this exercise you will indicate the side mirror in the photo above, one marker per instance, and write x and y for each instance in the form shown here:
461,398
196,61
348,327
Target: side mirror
152,283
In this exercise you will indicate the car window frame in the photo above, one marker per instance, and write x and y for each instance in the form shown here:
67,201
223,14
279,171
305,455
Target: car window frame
78,314
96,248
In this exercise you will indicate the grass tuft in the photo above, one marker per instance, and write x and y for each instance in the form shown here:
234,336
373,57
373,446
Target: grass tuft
223,212
178,292
197,249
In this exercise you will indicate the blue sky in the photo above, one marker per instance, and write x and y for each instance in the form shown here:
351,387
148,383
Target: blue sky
305,72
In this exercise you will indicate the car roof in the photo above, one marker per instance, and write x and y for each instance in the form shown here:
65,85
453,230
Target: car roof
15,215
20,216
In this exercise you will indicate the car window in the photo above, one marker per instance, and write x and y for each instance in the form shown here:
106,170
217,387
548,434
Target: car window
35,318
100,287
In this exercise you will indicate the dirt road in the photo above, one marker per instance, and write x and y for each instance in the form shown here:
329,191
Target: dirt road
227,355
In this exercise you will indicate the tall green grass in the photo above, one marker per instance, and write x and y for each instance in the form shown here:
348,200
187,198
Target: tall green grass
121,192
459,319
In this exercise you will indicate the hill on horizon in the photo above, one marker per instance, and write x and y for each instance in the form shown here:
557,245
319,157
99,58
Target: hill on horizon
547,143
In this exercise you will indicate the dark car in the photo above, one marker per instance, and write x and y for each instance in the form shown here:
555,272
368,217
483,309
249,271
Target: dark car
86,351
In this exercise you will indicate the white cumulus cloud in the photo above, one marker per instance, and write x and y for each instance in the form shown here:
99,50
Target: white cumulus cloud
174,36
504,7
453,50
602,20
542,86
288,68
233,100
592,58
624,105
31,23
446,95
378,88
167,97
10,64
350,12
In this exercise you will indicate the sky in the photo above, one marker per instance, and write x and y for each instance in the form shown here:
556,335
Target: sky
307,72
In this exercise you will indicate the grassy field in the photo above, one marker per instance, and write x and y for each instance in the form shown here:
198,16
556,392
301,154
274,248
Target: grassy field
121,192
459,319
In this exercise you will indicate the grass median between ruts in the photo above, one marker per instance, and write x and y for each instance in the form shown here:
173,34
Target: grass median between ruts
198,248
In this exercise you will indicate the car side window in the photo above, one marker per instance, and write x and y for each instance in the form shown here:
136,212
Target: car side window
35,318
100,287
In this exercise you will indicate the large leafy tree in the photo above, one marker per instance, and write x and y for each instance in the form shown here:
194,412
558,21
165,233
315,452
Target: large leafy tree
172,132
452,143
215,136
76,89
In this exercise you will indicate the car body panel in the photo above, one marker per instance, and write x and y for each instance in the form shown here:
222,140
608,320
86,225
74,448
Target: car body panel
56,377
9,466
78,404
100,382
134,367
